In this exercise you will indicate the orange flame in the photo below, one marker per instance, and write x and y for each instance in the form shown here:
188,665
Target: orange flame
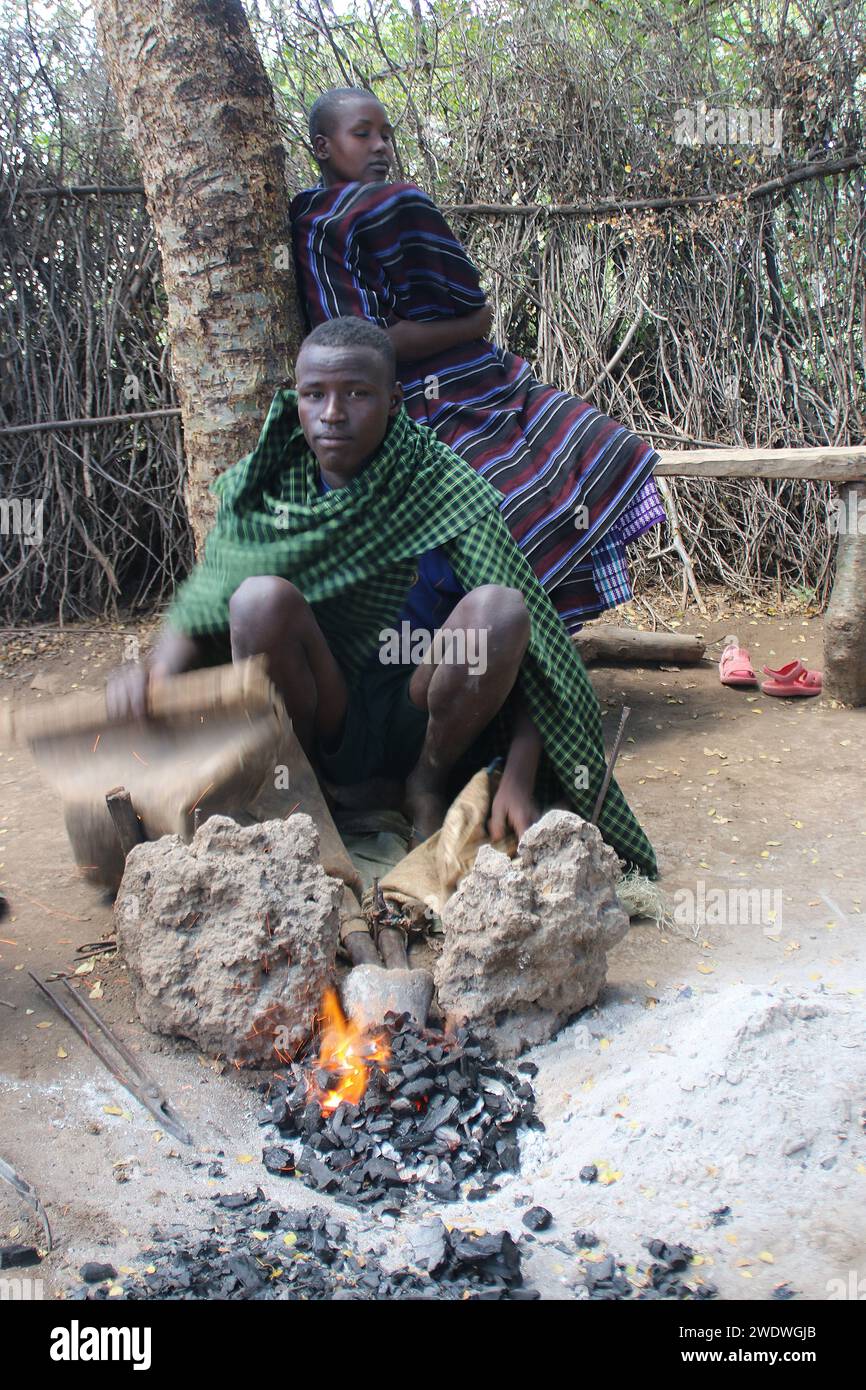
346,1051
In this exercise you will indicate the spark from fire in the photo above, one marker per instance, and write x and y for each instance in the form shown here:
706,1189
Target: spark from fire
346,1052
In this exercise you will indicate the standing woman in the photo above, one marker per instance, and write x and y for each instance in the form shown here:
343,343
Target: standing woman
577,487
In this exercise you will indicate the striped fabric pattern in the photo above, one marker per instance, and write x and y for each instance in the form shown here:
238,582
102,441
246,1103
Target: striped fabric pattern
352,552
576,486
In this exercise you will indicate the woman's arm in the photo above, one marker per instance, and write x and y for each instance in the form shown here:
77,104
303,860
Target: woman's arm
416,339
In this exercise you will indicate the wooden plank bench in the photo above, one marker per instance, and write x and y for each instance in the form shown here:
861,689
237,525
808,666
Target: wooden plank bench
845,620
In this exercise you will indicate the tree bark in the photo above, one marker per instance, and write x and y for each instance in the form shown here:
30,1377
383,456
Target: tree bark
199,111
845,622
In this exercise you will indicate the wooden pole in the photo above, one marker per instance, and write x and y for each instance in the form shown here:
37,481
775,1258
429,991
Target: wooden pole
839,465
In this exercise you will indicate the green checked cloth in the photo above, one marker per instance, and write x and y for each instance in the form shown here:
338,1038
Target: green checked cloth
352,553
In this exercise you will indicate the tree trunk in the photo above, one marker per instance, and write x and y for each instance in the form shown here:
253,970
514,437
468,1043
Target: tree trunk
845,622
199,112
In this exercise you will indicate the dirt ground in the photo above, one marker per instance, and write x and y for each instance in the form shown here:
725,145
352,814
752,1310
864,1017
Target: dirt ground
722,1066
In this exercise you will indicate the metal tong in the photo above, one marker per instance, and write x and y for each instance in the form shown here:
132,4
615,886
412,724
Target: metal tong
142,1085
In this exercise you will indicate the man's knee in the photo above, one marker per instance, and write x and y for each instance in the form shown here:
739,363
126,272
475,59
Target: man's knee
501,609
265,599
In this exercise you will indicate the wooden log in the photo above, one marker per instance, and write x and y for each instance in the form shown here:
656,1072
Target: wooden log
840,465
126,822
845,623
601,642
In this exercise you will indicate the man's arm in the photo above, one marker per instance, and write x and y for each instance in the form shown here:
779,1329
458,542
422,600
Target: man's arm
513,805
126,691
415,339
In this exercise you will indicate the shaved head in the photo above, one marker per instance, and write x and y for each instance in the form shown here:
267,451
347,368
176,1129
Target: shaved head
325,110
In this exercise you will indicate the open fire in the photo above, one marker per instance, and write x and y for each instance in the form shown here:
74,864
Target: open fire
346,1054
379,1118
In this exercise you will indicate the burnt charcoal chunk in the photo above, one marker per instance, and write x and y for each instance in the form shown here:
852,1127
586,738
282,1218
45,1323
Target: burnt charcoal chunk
443,1192
589,1173
601,1272
234,1201
312,1117
495,1254
20,1256
586,1240
317,1170
419,1088
382,1170
412,1070
674,1256
245,1269
781,1291
298,1098
439,1113
93,1272
508,1154
537,1218
278,1160
720,1216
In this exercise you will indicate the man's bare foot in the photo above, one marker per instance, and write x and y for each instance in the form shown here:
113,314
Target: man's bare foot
425,806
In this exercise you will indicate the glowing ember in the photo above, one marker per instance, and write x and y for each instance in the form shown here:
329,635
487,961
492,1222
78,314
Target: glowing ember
345,1053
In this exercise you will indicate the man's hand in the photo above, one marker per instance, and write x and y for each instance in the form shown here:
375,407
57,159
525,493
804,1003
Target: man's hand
126,692
513,809
127,688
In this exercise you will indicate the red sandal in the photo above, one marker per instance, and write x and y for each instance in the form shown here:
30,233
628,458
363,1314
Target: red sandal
735,666
792,680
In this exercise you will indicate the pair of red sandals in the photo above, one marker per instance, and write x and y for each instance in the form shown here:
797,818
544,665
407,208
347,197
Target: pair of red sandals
791,680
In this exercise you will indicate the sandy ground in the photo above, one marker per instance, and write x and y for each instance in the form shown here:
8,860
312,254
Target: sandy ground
723,1065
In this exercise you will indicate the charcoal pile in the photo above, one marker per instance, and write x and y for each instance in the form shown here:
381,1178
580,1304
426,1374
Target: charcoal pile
255,1250
437,1120
609,1279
